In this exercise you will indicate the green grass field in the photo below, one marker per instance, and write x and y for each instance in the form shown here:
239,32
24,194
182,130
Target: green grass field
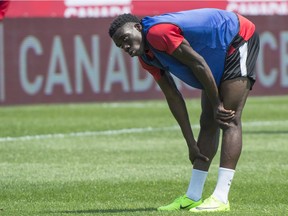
130,158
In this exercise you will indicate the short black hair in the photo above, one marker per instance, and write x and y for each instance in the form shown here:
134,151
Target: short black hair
120,21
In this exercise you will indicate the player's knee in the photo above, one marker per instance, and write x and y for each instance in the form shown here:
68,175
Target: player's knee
235,122
208,123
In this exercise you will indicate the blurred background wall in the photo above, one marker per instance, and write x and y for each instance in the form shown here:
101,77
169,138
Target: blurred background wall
60,51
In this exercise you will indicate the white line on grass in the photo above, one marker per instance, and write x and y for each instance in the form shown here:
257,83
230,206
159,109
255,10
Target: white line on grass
87,133
126,131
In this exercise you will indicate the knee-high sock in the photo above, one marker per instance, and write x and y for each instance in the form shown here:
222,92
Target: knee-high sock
196,184
225,177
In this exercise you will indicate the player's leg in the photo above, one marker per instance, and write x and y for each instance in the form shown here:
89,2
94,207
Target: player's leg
208,138
208,142
234,91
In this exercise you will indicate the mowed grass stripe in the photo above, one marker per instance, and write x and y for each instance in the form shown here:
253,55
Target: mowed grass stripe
132,173
129,130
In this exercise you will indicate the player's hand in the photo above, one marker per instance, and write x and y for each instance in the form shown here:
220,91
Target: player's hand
194,153
223,117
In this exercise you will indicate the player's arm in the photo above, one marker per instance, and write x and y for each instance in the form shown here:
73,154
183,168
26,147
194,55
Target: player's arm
174,99
168,38
188,56
178,108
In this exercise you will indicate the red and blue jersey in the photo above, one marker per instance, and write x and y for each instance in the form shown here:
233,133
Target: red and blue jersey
209,32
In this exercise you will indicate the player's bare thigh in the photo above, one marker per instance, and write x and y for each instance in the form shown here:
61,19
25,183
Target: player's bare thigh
234,93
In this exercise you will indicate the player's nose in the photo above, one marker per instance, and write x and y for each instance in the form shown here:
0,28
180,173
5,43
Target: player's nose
126,47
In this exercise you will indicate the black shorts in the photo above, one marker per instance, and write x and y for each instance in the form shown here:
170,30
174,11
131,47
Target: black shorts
241,63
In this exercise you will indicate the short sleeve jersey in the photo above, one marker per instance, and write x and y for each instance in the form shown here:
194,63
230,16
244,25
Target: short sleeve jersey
167,37
163,37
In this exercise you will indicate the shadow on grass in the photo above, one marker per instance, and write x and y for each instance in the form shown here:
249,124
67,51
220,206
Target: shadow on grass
102,211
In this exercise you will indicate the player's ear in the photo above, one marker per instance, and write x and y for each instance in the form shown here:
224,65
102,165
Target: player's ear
138,26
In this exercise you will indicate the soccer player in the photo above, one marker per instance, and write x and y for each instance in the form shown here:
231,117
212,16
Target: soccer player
3,8
209,49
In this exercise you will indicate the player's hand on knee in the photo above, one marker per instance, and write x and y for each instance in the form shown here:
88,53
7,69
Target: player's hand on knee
194,153
223,116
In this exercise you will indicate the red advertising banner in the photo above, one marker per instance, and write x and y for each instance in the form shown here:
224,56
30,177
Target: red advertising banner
74,60
68,8
161,6
272,64
244,7
110,8
46,58
68,60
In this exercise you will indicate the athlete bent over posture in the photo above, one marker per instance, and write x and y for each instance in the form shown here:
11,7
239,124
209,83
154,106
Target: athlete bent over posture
210,49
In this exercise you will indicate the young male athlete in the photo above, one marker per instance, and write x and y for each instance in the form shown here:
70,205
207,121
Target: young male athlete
210,49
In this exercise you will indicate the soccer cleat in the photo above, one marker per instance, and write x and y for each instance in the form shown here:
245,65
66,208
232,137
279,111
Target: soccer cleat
211,204
181,203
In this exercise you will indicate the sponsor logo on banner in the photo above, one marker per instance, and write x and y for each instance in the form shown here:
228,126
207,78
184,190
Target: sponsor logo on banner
111,8
99,8
258,7
45,63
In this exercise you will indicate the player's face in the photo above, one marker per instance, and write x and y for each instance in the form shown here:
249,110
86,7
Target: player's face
129,38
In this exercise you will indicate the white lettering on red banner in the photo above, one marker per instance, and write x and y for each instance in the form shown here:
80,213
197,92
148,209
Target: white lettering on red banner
258,7
99,8
69,60
269,76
